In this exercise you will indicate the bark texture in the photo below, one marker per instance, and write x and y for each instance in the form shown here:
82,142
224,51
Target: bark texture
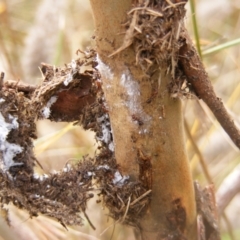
147,128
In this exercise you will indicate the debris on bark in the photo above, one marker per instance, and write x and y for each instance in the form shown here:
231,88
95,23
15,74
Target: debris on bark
72,93
65,91
153,28
17,129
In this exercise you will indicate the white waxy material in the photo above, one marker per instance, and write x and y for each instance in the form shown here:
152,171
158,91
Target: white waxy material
47,109
133,102
8,150
119,179
104,70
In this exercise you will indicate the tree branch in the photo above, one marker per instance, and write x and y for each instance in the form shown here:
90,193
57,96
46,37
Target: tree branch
20,86
228,189
198,78
145,121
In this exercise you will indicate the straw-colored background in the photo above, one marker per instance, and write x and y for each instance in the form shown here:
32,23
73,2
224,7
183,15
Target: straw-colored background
51,31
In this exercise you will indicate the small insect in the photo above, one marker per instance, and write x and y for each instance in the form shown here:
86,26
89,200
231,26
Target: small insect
137,119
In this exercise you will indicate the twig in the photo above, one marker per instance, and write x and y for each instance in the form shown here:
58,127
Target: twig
89,221
198,78
141,197
228,189
22,87
113,224
128,39
174,5
198,152
127,208
170,3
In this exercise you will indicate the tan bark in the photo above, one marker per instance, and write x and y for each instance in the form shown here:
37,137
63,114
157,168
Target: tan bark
147,128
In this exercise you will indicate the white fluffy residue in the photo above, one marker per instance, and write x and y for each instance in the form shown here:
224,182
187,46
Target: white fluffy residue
47,109
40,177
106,131
133,92
106,137
4,128
46,112
15,124
105,166
36,176
8,150
67,168
107,75
68,79
104,69
90,174
2,100
119,179
133,101
43,177
111,146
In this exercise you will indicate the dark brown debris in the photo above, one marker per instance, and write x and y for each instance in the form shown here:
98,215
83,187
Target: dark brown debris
17,131
153,30
71,93
66,91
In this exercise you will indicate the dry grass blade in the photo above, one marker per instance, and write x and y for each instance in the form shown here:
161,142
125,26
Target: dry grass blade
229,188
128,38
141,197
126,211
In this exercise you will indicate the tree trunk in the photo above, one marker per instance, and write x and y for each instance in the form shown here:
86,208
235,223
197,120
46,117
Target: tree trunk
147,127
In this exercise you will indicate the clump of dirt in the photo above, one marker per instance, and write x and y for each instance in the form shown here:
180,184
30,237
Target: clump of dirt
153,28
72,93
65,91
18,183
125,199
62,196
17,129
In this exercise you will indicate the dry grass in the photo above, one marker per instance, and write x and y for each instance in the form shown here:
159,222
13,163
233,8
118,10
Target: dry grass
217,23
